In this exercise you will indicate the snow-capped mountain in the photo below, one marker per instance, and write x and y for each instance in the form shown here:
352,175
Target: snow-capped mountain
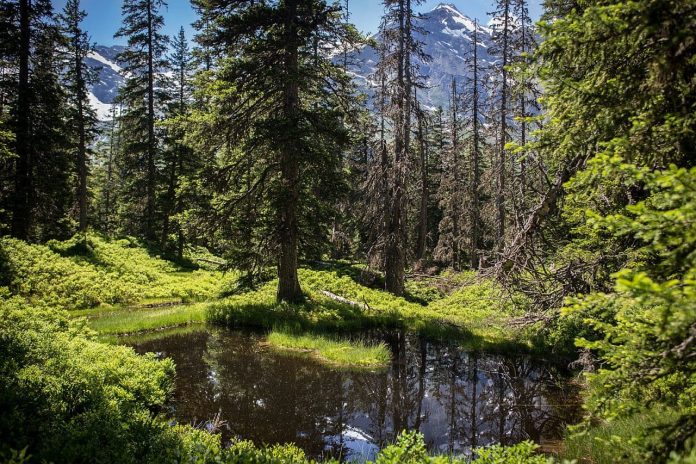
447,39
110,80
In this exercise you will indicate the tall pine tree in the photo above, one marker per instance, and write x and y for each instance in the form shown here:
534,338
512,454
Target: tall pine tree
281,125
397,66
142,96
82,119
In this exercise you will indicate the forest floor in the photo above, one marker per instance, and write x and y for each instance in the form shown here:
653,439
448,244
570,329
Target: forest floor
120,287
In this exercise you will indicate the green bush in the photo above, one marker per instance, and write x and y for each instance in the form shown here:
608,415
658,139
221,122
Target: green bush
647,327
36,272
70,399
521,453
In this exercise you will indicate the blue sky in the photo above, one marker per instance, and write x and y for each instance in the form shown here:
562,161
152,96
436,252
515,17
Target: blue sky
104,16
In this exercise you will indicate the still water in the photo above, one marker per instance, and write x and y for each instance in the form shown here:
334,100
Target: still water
457,399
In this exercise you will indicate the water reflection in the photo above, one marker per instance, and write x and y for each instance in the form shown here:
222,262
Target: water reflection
458,400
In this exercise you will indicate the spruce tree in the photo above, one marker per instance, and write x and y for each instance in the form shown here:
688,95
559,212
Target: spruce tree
179,161
142,95
449,247
397,66
476,142
422,132
503,34
53,161
280,124
36,192
82,118
22,205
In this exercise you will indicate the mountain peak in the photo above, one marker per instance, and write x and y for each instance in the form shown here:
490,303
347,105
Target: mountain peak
449,7
451,17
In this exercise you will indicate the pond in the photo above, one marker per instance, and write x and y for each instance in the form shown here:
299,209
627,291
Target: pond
457,399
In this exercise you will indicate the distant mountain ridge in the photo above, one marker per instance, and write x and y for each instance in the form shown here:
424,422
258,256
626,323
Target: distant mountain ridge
448,40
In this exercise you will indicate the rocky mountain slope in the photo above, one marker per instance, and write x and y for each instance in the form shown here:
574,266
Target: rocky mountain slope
447,39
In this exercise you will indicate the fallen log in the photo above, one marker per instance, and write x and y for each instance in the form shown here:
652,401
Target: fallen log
341,299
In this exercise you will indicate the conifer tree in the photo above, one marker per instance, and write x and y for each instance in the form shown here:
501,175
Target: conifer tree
281,124
503,35
36,193
449,247
422,132
53,161
142,96
104,178
179,158
398,65
476,142
82,118
22,205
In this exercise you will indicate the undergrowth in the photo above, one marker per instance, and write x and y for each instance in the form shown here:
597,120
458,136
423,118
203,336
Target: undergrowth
88,271
475,314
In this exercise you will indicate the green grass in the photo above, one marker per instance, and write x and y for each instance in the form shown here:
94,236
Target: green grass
476,314
623,439
346,353
140,320
109,281
148,336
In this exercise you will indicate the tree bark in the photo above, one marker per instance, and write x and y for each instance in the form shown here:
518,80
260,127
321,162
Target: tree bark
474,215
394,259
289,289
423,213
82,198
500,191
456,234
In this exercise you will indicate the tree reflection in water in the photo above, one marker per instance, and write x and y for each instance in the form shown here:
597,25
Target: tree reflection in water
457,399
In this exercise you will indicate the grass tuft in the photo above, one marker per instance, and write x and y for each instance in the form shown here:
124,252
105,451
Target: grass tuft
140,320
340,352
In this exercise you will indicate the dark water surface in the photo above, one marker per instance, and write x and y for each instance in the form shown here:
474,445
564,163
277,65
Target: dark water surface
457,399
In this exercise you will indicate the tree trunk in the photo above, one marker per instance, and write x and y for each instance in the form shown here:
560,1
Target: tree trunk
171,201
151,172
22,205
474,216
500,192
394,259
423,213
456,234
289,289
82,198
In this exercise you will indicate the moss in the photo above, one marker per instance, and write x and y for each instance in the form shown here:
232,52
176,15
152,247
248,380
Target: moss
342,352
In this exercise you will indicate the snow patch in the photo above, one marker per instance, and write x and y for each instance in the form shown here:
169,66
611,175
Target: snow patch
103,109
97,57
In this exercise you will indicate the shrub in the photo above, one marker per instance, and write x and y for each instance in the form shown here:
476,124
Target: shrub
647,327
70,399
87,271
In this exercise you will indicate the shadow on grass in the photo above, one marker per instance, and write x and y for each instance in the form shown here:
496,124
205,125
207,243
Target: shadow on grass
83,247
361,276
338,317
